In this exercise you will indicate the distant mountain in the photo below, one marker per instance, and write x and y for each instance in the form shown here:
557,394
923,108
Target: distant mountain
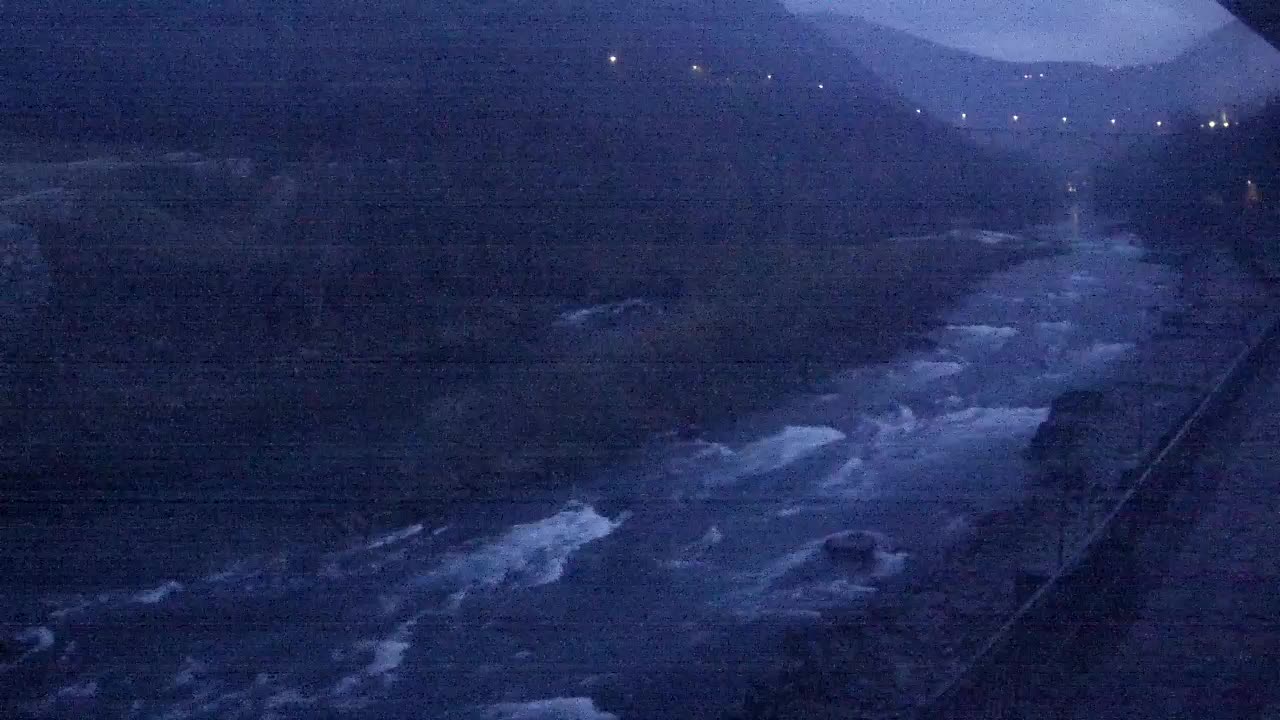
1230,66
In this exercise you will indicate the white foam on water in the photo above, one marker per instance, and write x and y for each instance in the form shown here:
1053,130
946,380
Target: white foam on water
188,672
981,337
576,708
693,553
290,697
703,457
389,604
1059,326
806,601
987,422
157,594
852,480
889,563
985,331
926,371
527,555
802,583
40,638
772,453
582,316
973,425
76,691
986,237
387,656
394,537
66,607
238,570
786,564
893,429
1105,352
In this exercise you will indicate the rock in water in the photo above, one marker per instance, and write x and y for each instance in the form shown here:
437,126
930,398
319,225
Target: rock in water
854,546
24,278
1069,417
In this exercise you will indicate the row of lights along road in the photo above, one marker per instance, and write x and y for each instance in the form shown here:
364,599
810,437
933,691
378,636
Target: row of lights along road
1212,124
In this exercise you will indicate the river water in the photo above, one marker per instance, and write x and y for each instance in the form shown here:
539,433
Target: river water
662,583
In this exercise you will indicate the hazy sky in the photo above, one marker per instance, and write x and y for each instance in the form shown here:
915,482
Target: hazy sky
1102,31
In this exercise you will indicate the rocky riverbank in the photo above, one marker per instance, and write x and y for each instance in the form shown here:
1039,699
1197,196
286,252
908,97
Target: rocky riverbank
887,657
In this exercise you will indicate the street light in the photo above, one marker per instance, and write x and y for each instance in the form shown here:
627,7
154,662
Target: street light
1226,124
1064,119
1213,124
613,59
1113,121
1159,123
820,86
1015,118
696,68
964,116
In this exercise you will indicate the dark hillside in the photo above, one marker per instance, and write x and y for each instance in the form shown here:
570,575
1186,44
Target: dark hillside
427,186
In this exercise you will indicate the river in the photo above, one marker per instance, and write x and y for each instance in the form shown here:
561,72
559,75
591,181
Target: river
665,580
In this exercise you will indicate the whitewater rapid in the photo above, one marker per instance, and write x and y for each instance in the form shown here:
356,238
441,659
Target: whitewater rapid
568,604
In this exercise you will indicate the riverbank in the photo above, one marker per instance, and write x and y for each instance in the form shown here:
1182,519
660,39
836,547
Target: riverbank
887,657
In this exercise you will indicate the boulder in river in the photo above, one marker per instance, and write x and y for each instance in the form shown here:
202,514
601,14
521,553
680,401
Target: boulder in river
1070,416
853,546
865,552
